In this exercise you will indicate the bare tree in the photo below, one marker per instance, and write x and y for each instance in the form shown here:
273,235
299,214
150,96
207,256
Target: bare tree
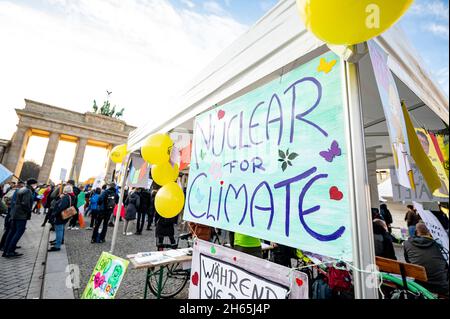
30,169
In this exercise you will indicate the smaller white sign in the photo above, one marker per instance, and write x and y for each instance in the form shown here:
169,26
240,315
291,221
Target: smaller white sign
222,273
434,226
421,194
99,180
62,174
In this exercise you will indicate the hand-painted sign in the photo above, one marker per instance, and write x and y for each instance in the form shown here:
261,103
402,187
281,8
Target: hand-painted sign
106,277
139,172
218,272
273,164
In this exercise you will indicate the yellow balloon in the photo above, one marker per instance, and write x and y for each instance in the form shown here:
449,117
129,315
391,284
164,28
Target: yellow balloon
118,153
157,148
348,22
169,200
164,173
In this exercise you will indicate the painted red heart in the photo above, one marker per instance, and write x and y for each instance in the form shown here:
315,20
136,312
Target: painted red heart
336,194
195,279
234,258
221,182
299,282
220,114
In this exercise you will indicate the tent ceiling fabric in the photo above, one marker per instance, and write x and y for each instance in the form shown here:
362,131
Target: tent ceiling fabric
279,42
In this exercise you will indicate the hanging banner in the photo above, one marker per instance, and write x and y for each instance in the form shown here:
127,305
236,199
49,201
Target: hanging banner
218,272
421,193
442,141
273,163
393,113
432,150
139,172
106,277
434,226
182,144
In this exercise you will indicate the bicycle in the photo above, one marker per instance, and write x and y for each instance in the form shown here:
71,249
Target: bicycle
170,280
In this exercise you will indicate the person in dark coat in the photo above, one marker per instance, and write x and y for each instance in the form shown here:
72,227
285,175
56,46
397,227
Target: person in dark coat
383,240
106,203
74,219
66,200
424,251
19,217
165,228
10,206
411,218
387,216
143,209
132,204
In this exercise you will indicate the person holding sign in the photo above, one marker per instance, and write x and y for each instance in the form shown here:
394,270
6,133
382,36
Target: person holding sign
247,244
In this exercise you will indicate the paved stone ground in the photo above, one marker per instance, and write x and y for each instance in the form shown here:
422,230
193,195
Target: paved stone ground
85,255
16,273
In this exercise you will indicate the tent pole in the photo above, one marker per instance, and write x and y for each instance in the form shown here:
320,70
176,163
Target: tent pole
124,170
366,285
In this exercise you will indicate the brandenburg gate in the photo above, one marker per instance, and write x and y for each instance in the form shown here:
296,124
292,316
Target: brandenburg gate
60,124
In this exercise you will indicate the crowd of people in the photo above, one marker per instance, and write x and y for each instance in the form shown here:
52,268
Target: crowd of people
420,248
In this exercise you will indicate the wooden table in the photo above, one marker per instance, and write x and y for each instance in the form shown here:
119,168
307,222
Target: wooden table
157,273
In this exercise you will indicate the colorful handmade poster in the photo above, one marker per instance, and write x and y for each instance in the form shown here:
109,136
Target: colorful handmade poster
429,144
273,163
218,272
393,113
106,277
139,172
443,146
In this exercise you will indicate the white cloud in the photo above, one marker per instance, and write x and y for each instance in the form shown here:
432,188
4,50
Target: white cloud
433,8
440,30
442,77
188,3
144,52
213,7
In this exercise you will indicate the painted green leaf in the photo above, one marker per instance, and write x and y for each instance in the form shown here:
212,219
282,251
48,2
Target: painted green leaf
280,160
281,153
284,166
287,153
293,156
289,162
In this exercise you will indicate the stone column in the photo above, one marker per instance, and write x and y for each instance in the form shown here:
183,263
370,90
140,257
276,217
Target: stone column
47,164
78,159
110,166
16,153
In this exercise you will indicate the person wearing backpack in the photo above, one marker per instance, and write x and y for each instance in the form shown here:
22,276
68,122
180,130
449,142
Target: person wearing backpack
93,206
106,203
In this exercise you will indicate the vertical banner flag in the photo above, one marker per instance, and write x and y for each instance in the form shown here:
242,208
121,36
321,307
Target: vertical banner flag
434,226
431,148
106,277
218,272
394,115
139,172
4,173
442,141
273,163
418,154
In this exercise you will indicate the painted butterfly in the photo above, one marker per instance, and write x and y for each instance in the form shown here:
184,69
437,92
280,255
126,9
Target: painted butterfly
333,152
325,66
